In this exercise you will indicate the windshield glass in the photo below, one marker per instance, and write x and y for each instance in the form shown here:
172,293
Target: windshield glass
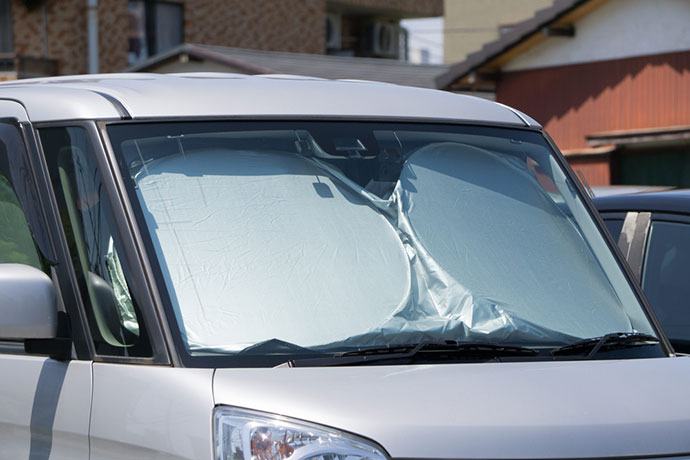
335,236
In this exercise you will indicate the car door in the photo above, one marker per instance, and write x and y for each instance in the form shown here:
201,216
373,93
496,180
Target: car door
44,402
141,407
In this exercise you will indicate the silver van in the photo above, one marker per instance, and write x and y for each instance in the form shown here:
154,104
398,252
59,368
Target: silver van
230,267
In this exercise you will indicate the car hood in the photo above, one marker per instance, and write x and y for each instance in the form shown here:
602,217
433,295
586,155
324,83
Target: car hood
572,409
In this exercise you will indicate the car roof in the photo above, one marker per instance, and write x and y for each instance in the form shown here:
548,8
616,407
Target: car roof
141,96
673,201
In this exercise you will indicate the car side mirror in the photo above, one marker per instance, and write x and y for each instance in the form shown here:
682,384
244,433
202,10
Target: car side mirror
28,303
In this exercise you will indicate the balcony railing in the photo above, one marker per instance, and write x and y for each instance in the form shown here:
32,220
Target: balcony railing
14,66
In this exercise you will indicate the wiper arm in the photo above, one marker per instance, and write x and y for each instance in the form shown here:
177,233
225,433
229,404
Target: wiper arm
593,345
431,351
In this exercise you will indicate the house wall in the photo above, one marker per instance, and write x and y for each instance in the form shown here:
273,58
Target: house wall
594,170
617,29
56,29
469,24
576,100
113,35
287,25
401,8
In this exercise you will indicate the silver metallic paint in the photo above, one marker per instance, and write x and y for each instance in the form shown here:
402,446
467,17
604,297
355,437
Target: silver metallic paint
220,95
12,109
37,394
535,410
29,307
151,412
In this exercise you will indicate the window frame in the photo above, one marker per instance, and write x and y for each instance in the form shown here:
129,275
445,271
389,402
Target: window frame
676,218
151,25
665,217
673,218
179,354
65,295
136,281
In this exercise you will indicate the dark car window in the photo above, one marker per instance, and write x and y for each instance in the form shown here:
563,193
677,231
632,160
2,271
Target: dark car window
17,244
614,226
95,244
665,279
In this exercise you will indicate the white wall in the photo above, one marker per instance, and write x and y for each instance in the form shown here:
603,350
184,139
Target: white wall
618,29
424,34
470,24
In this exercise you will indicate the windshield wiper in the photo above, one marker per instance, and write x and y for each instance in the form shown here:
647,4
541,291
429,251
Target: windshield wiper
594,345
277,347
429,351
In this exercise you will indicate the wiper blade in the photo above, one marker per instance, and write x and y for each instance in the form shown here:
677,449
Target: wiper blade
430,351
277,347
594,345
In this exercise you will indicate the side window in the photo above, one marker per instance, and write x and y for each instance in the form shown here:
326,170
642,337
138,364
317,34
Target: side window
16,241
94,243
614,226
665,279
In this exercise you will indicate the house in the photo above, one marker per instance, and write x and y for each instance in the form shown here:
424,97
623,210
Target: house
469,24
50,37
608,79
208,58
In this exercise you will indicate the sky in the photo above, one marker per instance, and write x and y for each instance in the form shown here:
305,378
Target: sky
425,34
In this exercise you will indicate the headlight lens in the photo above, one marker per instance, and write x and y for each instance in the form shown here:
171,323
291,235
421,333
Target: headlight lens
248,435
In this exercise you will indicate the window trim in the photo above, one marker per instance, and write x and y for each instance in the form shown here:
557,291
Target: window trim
63,274
634,250
137,284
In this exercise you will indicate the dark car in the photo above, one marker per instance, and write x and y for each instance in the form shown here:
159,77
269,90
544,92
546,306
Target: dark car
653,232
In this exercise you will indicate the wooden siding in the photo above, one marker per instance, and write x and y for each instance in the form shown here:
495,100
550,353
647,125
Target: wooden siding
595,170
576,100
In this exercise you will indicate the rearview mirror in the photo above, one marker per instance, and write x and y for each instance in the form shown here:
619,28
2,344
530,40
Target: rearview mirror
28,306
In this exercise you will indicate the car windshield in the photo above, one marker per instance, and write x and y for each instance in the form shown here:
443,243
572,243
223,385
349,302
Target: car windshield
335,236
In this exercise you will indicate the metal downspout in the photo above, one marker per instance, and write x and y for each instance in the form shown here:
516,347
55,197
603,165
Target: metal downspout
92,30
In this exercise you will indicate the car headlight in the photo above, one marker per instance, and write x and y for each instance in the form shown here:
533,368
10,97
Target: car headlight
242,434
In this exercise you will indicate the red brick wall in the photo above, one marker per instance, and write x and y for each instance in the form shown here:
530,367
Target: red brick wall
422,8
286,25
55,30
595,170
113,35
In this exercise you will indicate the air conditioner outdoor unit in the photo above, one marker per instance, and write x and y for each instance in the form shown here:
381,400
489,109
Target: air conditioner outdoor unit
385,39
333,32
